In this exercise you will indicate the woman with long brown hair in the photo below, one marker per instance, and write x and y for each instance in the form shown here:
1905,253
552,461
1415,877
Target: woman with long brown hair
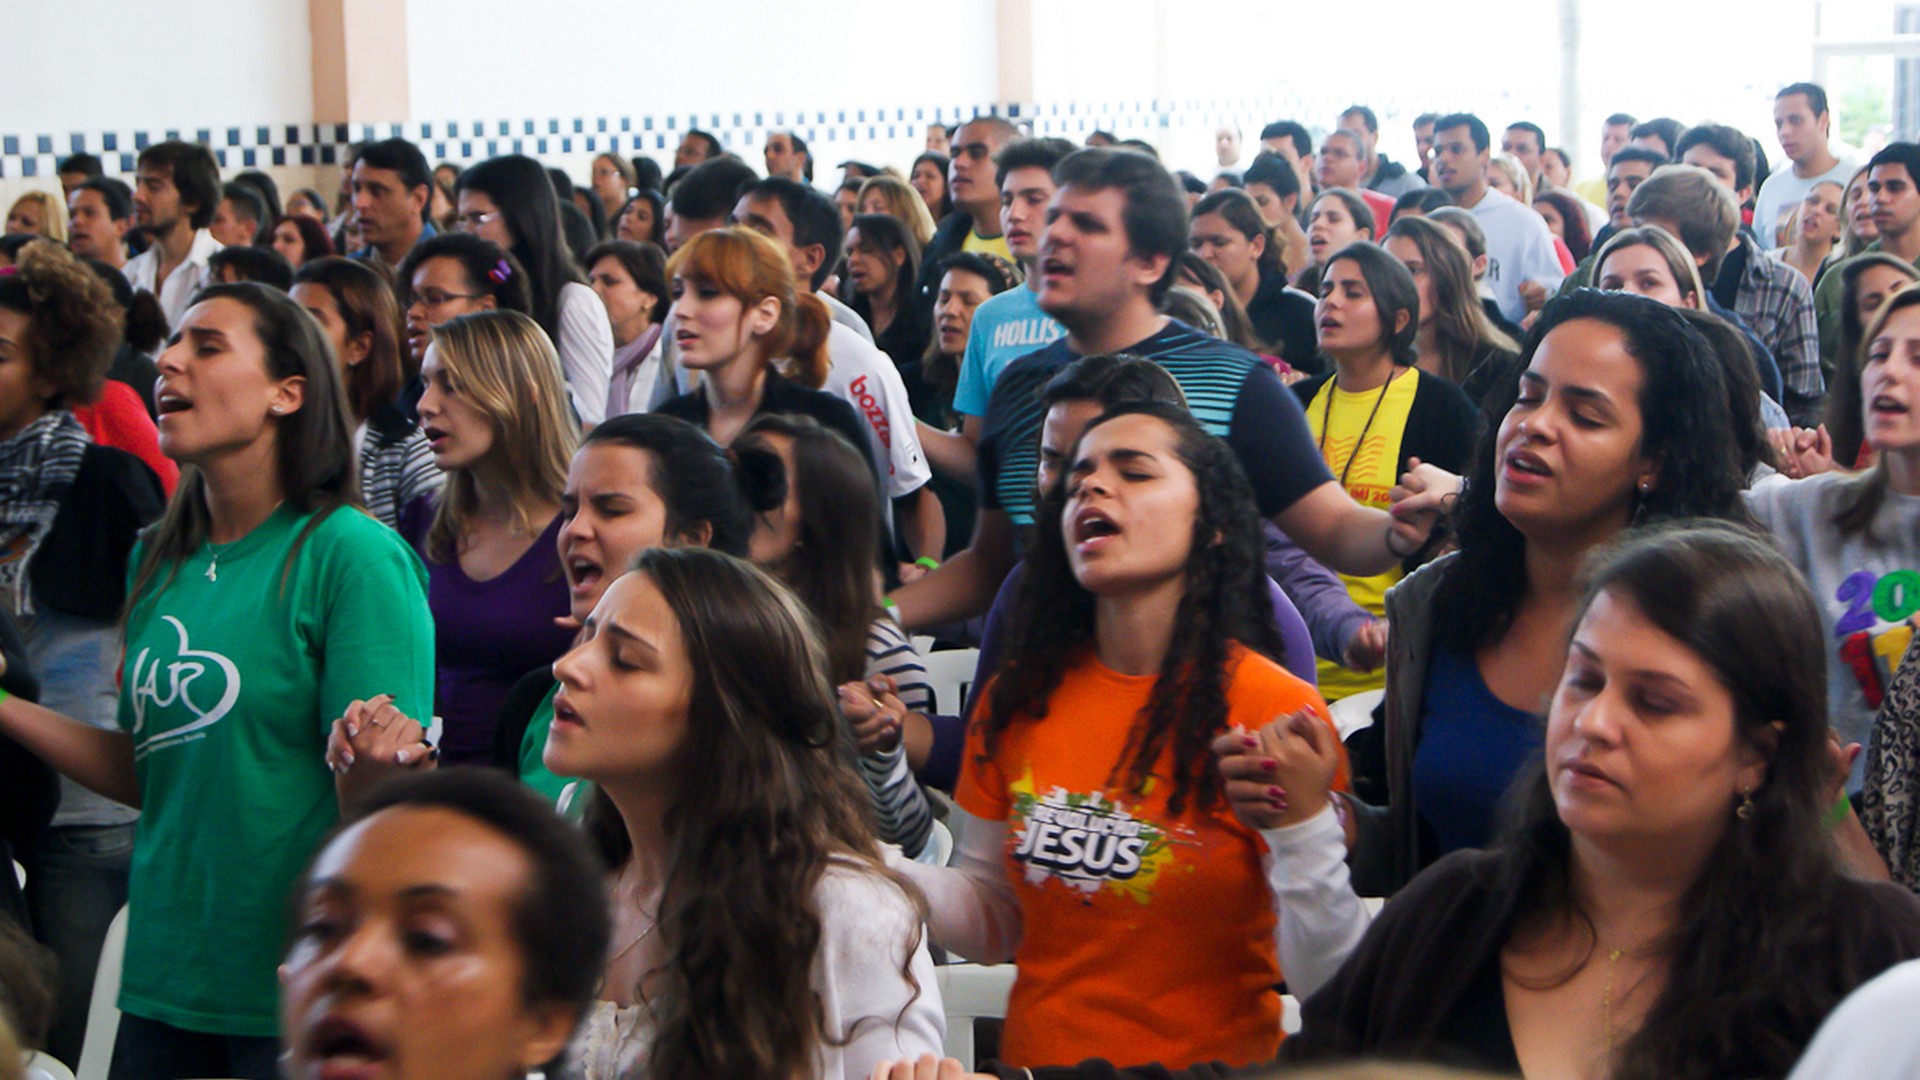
756,932
1456,340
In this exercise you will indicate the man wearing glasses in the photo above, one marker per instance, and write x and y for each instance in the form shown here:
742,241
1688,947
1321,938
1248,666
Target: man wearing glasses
974,224
392,188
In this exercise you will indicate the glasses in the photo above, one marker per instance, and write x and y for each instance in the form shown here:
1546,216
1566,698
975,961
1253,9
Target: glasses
471,222
433,298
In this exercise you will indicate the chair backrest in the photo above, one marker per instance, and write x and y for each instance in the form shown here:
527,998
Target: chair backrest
43,1066
103,1014
967,993
950,673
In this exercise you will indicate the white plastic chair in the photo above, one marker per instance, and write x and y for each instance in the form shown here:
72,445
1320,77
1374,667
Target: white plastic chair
949,674
1351,714
103,1013
43,1066
939,845
969,992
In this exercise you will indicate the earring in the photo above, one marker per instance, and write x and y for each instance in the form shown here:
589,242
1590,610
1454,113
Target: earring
1646,488
1745,810
277,410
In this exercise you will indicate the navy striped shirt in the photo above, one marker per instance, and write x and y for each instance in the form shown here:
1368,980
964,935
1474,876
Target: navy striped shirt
1231,392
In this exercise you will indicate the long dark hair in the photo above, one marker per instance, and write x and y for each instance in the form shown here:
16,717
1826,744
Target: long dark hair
1233,314
1743,386
520,187
696,478
1844,416
313,445
1237,208
772,807
1462,332
1578,239
1754,965
1868,490
886,233
1226,601
366,305
1684,423
1394,292
831,570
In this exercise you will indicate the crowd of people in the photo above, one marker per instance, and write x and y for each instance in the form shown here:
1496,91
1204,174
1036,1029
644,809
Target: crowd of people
525,582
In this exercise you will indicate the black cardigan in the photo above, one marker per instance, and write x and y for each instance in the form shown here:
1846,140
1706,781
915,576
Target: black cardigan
81,565
1424,984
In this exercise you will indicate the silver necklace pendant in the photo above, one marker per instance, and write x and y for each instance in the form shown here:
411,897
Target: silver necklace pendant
213,569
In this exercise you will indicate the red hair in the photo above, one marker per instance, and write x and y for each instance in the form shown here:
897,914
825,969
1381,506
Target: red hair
750,267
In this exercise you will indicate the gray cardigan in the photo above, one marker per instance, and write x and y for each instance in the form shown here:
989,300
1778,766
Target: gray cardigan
1386,851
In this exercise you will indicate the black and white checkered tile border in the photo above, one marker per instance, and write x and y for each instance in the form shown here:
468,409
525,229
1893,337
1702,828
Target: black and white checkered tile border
271,145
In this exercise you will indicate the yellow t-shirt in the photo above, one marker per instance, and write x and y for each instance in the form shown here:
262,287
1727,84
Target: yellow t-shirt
1593,190
987,245
1337,419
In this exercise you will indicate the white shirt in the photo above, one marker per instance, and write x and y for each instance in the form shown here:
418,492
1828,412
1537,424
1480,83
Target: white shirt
1519,248
1871,1033
1783,191
871,1012
177,292
586,350
867,379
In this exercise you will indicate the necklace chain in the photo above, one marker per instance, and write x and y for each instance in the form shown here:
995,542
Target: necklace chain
1326,423
1606,997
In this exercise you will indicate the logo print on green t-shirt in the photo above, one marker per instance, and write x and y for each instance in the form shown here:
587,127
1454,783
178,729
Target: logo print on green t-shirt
177,688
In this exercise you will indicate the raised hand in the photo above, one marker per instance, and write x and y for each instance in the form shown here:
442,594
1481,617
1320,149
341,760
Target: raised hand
1424,494
1281,775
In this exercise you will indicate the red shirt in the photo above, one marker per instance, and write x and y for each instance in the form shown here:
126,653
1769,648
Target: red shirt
119,420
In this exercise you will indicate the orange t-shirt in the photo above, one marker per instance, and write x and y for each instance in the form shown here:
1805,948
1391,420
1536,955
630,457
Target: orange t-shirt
1148,936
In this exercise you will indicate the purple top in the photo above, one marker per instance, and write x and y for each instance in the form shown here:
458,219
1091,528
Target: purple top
487,634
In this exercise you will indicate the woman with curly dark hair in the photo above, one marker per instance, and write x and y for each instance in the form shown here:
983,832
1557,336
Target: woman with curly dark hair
1619,416
1098,851
70,510
756,932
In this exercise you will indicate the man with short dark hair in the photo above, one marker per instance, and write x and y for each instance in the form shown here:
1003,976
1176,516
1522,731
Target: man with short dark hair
1803,125
787,156
1290,140
1629,168
1115,230
1519,247
176,192
99,213
1010,325
392,191
804,223
704,198
695,147
236,221
1661,133
1774,299
1893,189
76,169
974,224
1384,175
1525,141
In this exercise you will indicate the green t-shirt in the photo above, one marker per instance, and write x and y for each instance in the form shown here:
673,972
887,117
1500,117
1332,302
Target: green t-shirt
568,796
229,685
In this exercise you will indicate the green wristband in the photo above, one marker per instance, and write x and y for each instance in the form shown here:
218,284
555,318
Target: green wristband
887,602
1838,812
927,561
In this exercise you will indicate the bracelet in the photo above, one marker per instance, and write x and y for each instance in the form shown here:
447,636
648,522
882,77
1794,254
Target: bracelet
1394,551
887,602
928,562
3,694
1837,814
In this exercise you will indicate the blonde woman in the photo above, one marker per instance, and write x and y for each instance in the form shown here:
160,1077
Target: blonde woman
895,198
1815,227
38,213
496,418
1507,175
